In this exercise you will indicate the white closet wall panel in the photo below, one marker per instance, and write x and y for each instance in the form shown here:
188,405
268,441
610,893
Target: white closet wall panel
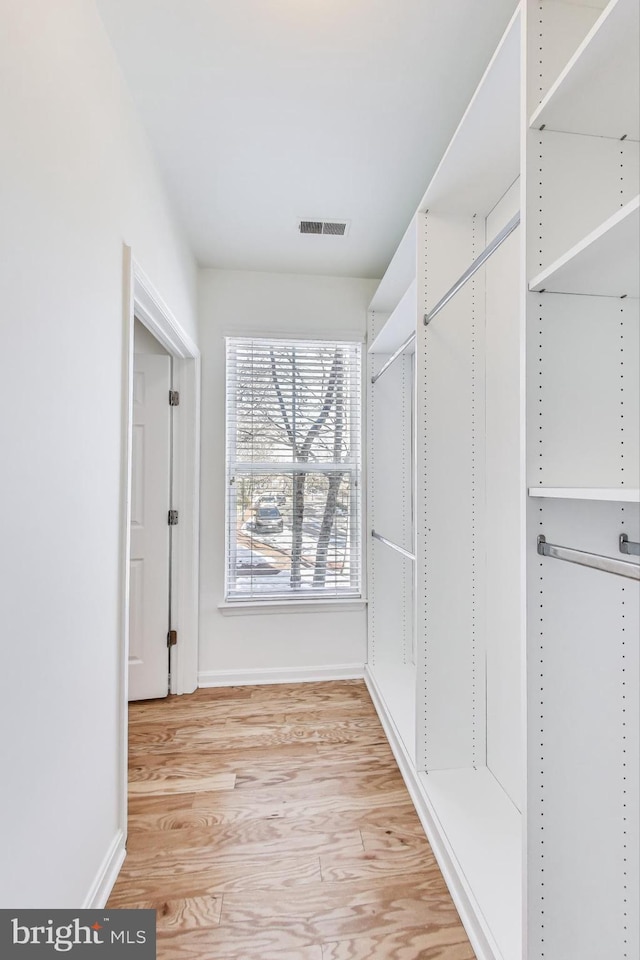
504,510
563,24
391,451
452,243
507,206
583,181
451,497
584,398
391,612
583,722
390,573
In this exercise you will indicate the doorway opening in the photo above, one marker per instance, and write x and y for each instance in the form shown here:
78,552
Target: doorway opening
170,362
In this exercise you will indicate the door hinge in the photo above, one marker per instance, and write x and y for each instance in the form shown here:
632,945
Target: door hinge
174,398
173,518
172,638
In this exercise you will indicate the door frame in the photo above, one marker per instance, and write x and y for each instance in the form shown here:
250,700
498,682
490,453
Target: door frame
141,300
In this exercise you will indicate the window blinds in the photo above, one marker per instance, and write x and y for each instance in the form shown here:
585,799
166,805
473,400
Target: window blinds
293,469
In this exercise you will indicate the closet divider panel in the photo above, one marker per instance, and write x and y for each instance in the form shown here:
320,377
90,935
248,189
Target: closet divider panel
450,499
505,504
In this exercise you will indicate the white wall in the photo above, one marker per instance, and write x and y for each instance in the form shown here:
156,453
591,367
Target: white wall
76,181
242,303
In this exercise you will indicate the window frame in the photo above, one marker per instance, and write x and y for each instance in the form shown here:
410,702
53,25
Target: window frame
293,599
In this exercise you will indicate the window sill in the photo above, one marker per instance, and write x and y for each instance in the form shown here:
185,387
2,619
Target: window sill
234,608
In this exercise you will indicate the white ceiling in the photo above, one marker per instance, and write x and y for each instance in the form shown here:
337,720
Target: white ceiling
262,112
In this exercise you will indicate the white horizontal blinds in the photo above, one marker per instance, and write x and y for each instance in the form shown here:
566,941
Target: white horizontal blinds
293,469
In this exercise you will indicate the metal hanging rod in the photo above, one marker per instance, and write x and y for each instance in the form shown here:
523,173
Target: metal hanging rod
628,546
475,266
621,568
394,546
387,364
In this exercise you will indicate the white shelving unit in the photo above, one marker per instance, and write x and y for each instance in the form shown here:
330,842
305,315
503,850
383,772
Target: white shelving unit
507,680
583,472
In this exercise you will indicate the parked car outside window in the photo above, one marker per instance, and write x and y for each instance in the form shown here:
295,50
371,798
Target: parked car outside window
268,519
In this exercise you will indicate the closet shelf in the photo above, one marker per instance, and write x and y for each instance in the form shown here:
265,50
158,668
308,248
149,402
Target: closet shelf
483,832
480,164
604,263
400,324
612,494
395,683
399,275
483,158
598,91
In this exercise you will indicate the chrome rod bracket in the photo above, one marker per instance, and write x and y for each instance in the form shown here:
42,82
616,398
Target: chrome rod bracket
621,568
488,251
629,546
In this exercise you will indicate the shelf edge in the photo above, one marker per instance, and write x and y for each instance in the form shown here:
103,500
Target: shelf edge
611,494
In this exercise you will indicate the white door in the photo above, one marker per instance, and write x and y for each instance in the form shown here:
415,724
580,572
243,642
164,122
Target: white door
150,531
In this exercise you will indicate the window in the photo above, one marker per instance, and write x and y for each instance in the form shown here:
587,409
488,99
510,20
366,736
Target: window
293,469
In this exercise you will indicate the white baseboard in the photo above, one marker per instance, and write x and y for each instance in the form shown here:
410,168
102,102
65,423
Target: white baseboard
240,678
471,916
107,874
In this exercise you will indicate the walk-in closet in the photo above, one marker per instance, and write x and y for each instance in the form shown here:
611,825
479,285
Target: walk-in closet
504,509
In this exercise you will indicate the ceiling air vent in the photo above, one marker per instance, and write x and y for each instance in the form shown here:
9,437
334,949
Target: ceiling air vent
331,228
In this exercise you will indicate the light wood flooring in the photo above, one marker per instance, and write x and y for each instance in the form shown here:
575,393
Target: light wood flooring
272,823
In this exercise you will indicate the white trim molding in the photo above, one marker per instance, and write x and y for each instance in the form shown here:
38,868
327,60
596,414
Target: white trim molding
466,904
153,312
141,301
240,608
107,874
265,675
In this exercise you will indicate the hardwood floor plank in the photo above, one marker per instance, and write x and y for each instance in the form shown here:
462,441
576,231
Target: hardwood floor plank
324,776
244,732
446,943
178,916
242,942
134,885
250,839
319,816
395,835
319,902
200,947
172,785
300,801
272,823
388,863
163,804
